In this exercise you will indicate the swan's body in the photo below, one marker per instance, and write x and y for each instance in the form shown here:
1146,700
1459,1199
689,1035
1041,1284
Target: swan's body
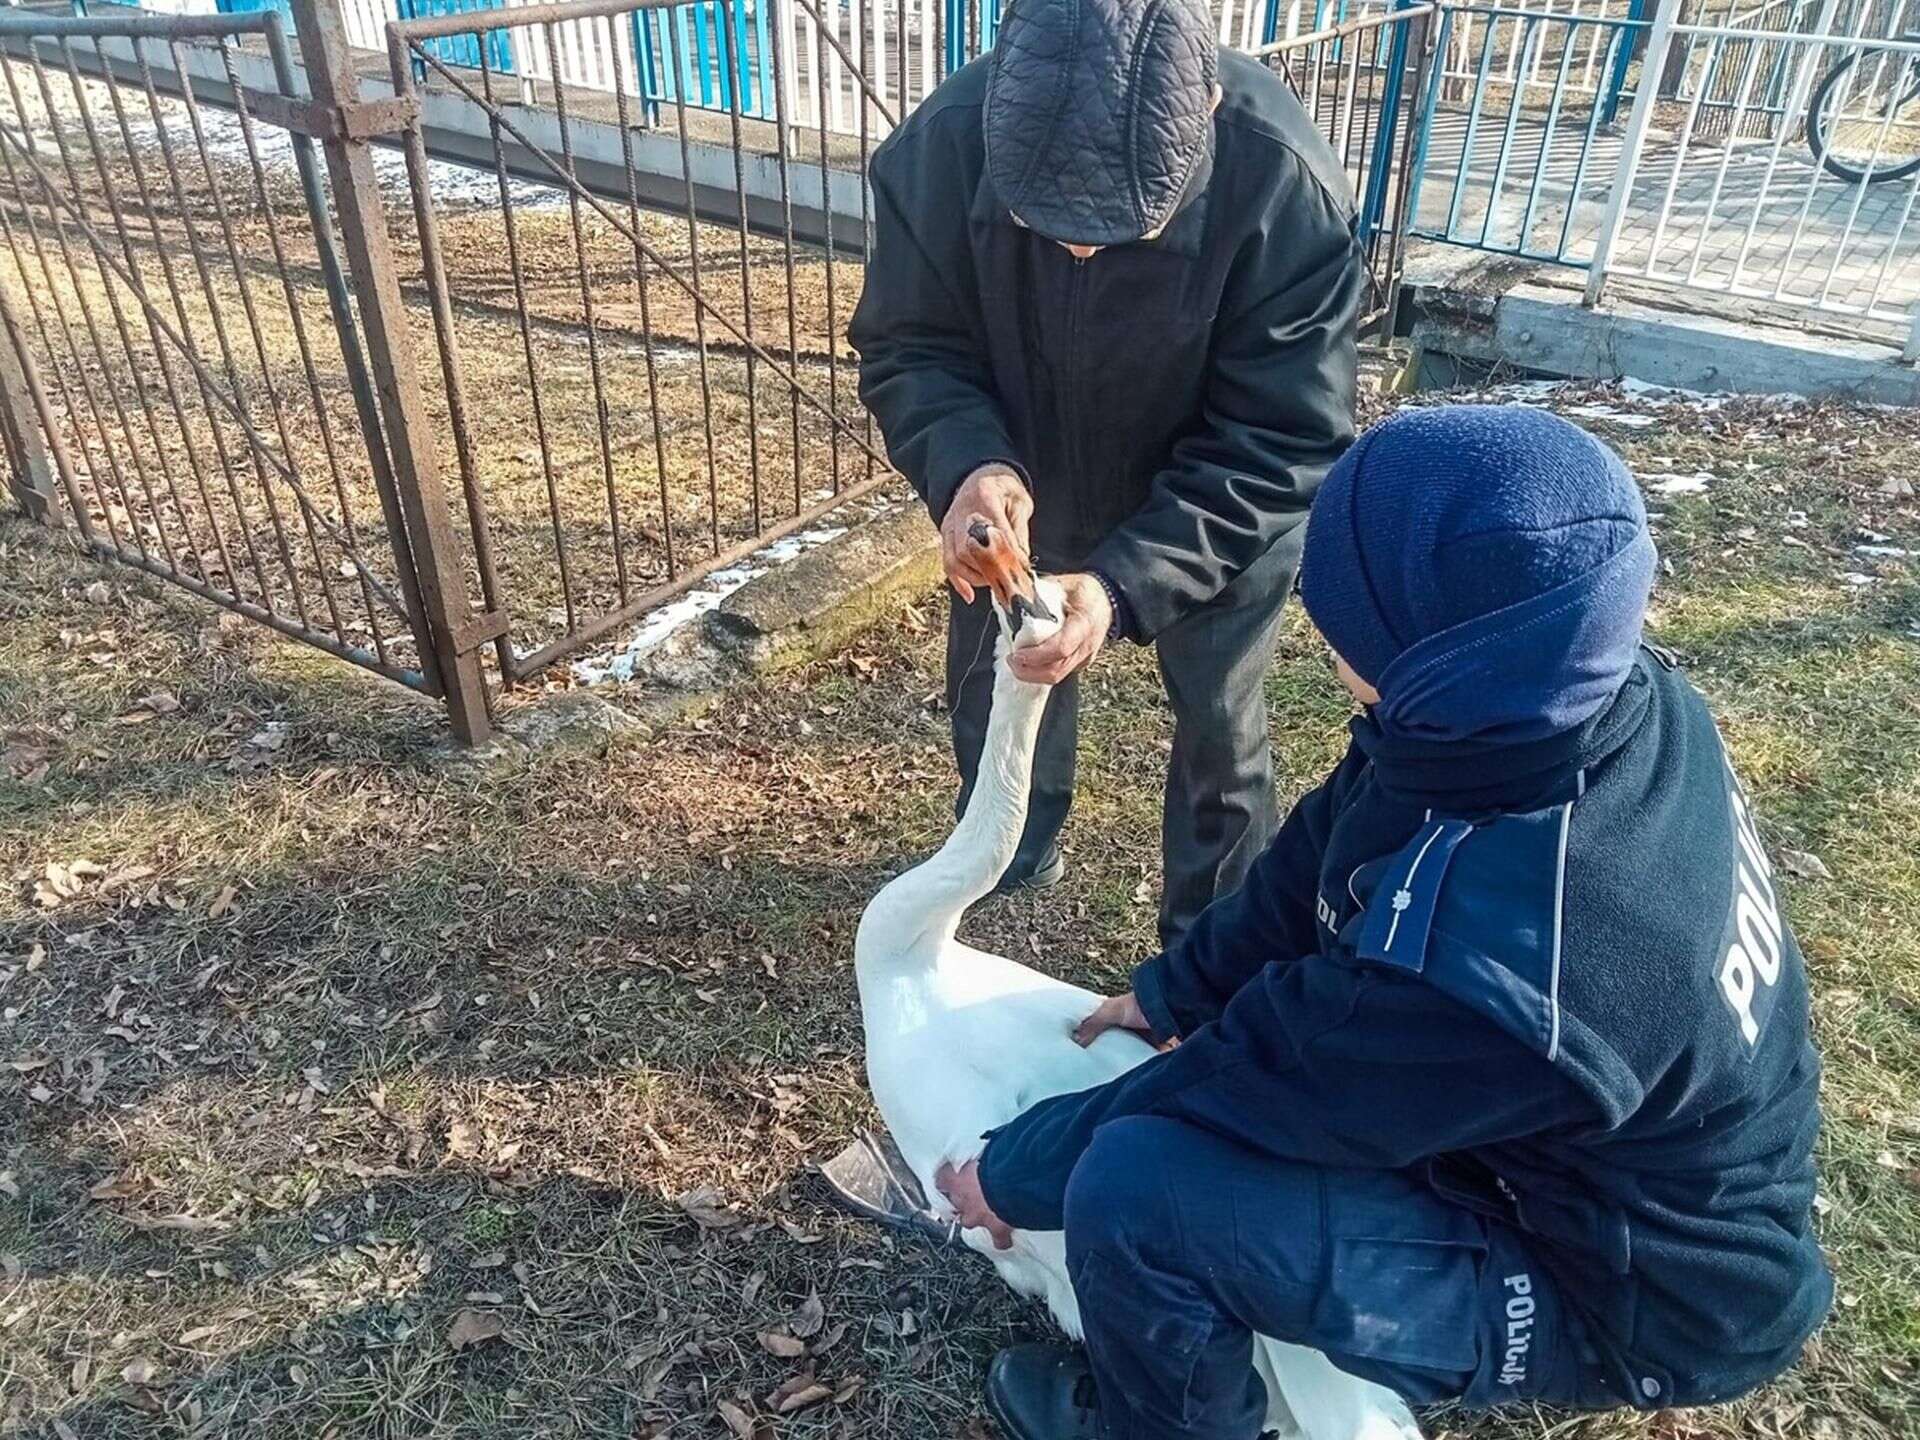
960,1042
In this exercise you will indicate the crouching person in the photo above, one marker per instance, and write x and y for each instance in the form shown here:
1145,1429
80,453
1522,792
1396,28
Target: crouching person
1494,1079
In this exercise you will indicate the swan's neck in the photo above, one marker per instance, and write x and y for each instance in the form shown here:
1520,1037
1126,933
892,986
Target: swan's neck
918,913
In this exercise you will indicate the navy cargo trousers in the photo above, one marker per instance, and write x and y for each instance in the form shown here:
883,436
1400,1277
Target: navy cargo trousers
1182,1246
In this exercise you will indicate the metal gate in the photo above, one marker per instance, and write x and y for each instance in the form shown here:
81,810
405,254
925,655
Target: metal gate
659,386
184,366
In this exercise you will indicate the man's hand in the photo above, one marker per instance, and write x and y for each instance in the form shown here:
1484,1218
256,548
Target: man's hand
1083,630
1116,1012
962,1189
994,494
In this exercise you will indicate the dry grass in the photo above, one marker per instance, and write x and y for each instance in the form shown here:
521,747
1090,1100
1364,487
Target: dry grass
335,1047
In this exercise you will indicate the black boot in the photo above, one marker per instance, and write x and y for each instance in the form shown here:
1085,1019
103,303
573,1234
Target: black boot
1044,876
1043,1392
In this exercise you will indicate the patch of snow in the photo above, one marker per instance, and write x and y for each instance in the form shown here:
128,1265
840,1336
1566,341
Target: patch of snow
458,186
1611,415
656,625
1693,484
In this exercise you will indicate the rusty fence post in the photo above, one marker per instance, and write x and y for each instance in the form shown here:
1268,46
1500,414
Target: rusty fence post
29,473
454,634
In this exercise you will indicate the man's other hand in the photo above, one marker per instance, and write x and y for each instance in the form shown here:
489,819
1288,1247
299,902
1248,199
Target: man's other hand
996,495
1116,1012
1083,630
962,1189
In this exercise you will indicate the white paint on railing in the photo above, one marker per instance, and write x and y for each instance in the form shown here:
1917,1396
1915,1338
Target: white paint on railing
1765,219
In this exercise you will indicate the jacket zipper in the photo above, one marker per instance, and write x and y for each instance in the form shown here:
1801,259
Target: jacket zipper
1070,418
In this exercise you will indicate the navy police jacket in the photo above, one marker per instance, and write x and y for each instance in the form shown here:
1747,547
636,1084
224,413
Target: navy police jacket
1556,980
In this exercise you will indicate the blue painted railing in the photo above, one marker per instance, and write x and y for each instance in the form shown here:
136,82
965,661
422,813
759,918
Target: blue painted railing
1524,158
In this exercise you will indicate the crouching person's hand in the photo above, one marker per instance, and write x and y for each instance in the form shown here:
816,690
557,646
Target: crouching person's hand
1116,1012
962,1189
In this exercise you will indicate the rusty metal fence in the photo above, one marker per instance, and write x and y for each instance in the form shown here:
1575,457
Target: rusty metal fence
678,366
185,356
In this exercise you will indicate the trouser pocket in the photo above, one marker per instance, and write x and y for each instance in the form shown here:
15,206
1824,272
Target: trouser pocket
1404,1302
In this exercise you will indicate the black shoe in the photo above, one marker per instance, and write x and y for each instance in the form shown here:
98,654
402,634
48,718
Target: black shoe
1043,1392
1051,870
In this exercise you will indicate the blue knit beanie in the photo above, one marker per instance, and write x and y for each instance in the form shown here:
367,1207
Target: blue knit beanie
1485,568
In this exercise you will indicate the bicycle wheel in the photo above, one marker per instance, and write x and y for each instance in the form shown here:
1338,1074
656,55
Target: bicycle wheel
1864,120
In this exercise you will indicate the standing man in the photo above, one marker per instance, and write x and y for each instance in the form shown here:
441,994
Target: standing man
1110,311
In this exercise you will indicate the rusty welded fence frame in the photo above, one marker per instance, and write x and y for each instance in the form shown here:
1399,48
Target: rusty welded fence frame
203,484
783,381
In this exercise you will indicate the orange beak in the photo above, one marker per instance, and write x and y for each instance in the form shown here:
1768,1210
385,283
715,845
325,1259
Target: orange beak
1012,582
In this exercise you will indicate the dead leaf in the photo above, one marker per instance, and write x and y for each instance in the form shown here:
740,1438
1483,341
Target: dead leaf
492,1260
707,1208
36,957
1806,865
7,1186
97,593
63,1430
185,1224
736,1419
797,1394
851,1386
809,1317
463,1140
159,703
474,1327
141,1371
784,1346
799,1236
832,1338
199,1333
81,1373
118,1187
27,1064
223,902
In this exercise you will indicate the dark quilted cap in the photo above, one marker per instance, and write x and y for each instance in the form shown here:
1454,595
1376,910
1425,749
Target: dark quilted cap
1098,112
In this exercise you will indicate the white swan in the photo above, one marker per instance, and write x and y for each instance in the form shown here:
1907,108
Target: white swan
960,1042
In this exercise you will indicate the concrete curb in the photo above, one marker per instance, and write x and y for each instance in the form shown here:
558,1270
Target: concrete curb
804,609
1515,315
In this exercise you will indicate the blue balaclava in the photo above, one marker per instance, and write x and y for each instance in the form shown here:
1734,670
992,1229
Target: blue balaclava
1485,568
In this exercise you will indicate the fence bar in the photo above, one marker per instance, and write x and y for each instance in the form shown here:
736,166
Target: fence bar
29,473
446,617
1659,43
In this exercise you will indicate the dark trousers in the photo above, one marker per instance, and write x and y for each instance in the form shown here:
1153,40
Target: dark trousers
1219,811
1182,1245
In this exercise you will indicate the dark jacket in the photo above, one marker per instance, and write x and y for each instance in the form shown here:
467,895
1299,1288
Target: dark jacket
1557,983
1171,403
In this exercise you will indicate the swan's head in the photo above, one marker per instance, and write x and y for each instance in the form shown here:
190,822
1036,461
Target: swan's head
1028,622
1029,607
1016,590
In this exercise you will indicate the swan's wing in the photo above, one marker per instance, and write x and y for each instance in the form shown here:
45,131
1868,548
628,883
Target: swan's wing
1324,1402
